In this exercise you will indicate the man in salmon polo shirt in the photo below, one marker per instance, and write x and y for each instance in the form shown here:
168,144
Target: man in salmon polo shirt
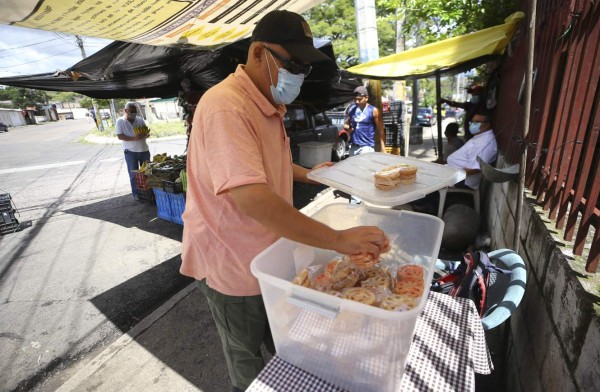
239,190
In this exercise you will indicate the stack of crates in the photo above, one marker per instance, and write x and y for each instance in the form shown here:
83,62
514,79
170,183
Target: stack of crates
8,223
394,129
144,192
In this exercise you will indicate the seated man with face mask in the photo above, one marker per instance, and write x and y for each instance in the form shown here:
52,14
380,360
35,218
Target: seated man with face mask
482,144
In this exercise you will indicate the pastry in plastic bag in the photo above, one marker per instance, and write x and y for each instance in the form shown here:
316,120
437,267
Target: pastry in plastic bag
302,279
360,294
398,302
344,275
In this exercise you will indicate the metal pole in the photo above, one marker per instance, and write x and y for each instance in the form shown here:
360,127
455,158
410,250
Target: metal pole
526,115
438,97
94,105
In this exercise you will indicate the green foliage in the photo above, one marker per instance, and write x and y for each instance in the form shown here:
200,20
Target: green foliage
86,102
63,96
422,21
157,129
425,21
336,21
433,20
24,97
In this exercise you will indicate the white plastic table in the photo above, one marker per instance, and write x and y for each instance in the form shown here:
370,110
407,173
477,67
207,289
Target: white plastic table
448,348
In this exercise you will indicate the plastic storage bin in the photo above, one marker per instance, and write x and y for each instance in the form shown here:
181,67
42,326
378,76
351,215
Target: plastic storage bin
177,204
354,346
169,206
313,153
355,176
163,205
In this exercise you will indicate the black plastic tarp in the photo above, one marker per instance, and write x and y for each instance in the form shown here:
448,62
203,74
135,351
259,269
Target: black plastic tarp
133,71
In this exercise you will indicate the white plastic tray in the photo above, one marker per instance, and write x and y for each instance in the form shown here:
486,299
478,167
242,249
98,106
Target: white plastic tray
355,176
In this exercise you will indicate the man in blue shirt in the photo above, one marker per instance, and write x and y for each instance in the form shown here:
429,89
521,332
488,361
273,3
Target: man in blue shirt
365,123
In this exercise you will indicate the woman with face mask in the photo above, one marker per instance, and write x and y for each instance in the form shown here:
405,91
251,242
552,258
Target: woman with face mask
129,129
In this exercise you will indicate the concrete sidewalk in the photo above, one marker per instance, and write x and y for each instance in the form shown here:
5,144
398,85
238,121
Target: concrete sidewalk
167,351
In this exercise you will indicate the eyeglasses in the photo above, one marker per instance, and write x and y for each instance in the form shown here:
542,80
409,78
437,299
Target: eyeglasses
291,65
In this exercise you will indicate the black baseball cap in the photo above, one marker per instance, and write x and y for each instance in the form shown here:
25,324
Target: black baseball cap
361,90
291,31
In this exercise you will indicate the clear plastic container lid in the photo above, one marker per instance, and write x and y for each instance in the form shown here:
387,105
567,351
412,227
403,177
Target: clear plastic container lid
355,176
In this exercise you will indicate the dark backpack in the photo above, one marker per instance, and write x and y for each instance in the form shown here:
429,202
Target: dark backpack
470,279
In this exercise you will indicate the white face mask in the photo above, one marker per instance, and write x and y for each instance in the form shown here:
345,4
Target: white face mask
288,85
474,128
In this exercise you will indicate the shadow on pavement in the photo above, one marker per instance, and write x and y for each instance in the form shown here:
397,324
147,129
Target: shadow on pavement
184,339
126,212
131,301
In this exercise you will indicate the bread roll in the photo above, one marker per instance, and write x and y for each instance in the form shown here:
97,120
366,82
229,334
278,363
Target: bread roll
390,177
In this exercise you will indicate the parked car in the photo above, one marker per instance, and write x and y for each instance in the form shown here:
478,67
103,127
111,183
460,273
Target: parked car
454,113
305,124
104,115
69,116
3,127
426,117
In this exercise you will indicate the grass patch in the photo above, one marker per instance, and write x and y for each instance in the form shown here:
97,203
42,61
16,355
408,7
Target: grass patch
157,129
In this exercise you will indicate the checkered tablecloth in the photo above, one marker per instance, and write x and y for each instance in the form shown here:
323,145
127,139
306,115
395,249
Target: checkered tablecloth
448,348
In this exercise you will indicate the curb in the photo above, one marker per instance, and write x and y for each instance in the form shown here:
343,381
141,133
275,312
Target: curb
73,383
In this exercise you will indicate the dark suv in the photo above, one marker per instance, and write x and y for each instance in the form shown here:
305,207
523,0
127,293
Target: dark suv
305,124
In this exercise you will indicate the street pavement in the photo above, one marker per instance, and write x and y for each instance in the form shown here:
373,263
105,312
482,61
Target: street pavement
173,348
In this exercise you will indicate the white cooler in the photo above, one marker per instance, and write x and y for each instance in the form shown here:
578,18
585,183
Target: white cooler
354,346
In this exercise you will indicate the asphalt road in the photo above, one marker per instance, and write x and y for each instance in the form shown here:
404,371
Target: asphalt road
93,263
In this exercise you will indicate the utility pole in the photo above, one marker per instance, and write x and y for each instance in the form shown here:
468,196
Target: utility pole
368,44
80,44
400,86
94,105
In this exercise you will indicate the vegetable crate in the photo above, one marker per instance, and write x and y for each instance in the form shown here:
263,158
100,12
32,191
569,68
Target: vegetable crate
8,223
172,186
5,202
141,180
169,206
146,196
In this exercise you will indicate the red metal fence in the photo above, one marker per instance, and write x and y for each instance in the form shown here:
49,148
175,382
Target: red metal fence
563,147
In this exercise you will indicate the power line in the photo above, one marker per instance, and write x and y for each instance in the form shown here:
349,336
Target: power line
26,46
38,49
35,61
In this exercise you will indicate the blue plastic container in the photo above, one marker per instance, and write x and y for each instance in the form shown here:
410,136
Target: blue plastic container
163,204
177,202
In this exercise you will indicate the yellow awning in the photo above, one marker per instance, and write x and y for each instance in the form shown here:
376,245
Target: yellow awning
206,24
442,56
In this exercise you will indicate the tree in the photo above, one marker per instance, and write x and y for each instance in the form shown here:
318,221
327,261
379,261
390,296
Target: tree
423,21
336,21
65,97
25,97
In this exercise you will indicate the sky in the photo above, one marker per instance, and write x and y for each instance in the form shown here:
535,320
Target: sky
26,51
